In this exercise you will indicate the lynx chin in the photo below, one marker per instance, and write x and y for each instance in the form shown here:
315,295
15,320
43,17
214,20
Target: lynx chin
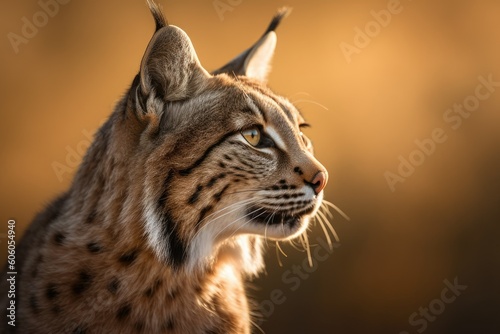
166,217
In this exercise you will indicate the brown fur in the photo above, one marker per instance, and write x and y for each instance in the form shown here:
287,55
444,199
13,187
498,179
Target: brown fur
138,243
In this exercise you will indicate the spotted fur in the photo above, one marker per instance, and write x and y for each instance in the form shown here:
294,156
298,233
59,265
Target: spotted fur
165,218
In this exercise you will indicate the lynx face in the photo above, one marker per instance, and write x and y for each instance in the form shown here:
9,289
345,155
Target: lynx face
222,155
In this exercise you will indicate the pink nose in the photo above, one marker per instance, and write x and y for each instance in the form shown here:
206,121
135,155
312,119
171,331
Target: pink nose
319,181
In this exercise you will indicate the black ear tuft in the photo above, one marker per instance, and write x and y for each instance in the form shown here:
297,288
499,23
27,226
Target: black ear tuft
255,61
282,13
160,19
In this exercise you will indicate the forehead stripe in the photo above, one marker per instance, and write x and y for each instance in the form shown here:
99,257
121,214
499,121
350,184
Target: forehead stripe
257,107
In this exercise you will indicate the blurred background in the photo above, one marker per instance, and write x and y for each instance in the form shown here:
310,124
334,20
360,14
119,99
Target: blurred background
372,77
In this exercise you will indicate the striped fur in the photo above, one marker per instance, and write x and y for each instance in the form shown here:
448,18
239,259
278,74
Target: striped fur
165,218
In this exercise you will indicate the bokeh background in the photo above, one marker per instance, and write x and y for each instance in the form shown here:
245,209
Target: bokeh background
399,246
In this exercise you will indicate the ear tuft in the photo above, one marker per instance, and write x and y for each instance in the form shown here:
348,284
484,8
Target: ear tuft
255,62
158,16
282,13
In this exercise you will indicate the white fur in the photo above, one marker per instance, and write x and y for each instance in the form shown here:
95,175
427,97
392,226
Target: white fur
271,131
153,229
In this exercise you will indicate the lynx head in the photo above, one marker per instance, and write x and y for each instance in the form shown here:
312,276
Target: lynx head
220,158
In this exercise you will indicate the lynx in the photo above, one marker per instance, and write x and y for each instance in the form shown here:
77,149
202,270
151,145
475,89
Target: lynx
165,219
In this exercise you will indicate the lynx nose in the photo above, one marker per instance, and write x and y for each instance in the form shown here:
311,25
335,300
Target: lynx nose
318,182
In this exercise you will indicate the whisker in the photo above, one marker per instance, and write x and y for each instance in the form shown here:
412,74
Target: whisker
328,224
258,327
280,249
305,243
240,203
243,217
309,257
269,220
326,210
328,239
310,101
278,254
238,206
243,191
336,208
295,245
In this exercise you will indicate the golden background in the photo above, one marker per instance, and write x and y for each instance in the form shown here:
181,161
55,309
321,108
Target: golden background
400,246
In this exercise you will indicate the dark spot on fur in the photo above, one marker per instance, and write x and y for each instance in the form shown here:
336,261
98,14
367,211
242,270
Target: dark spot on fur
203,213
227,157
246,163
222,165
129,257
194,197
169,324
79,330
173,293
198,289
52,291
282,181
139,326
114,285
91,217
218,195
34,304
293,187
239,169
284,187
212,181
152,290
83,283
37,263
59,238
298,170
123,312
275,188
94,247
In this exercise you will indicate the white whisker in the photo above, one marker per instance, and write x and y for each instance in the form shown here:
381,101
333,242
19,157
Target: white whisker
238,206
242,217
278,254
336,208
328,239
310,101
309,256
326,210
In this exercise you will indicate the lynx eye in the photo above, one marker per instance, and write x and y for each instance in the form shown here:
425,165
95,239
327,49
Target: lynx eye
252,136
306,140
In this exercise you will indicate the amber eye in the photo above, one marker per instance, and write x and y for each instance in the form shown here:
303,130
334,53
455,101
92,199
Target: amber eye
252,136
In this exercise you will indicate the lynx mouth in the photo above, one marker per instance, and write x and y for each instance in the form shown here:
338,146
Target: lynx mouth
278,218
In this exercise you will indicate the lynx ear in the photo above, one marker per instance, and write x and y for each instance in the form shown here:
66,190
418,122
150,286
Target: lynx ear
170,67
255,62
